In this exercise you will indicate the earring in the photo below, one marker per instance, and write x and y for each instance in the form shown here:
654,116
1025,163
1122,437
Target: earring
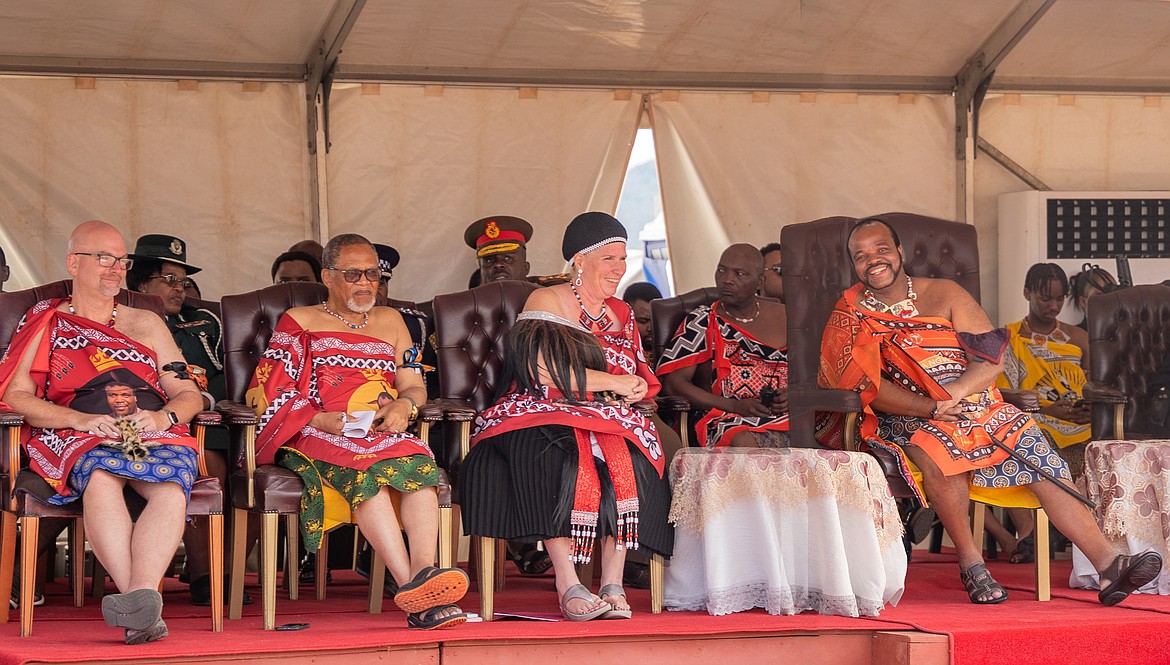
577,282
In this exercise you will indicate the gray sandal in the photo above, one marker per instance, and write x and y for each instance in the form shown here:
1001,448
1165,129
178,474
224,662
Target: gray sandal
613,591
579,592
152,634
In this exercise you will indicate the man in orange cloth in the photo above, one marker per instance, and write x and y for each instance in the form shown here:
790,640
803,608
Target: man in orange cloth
924,357
106,400
335,392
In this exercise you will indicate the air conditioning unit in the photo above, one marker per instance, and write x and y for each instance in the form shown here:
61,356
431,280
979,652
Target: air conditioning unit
1071,229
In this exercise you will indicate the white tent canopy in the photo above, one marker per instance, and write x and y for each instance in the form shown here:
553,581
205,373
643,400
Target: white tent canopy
203,119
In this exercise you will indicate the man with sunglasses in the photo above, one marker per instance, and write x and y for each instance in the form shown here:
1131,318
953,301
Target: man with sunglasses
161,268
773,286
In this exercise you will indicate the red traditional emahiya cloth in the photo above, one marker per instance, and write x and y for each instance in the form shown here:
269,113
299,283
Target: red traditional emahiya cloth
587,498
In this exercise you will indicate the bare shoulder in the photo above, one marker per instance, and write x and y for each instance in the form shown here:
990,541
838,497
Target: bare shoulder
140,324
387,317
940,297
1075,334
547,299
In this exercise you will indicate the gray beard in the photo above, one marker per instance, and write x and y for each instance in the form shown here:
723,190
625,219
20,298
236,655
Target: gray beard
360,309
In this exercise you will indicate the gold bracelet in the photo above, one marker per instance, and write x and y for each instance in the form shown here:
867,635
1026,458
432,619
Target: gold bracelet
413,407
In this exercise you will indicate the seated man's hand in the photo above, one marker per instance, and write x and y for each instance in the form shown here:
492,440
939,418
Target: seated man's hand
332,422
947,410
150,421
394,417
97,424
753,408
780,402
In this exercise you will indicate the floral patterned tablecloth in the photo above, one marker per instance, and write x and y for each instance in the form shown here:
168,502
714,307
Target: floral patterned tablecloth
784,529
1129,481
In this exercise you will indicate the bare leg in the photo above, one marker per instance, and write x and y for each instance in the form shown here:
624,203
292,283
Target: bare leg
566,574
950,496
613,561
744,439
108,526
1074,520
420,521
1006,541
157,533
375,518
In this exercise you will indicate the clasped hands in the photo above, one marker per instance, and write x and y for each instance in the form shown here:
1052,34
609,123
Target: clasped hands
630,388
1066,409
754,408
107,425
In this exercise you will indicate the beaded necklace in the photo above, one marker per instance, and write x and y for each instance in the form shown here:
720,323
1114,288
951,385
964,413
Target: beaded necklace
352,326
748,319
904,308
588,321
113,312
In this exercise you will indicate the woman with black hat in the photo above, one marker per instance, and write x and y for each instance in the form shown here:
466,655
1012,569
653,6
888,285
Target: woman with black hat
563,457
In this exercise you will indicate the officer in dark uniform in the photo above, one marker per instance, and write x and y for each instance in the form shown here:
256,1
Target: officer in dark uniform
161,268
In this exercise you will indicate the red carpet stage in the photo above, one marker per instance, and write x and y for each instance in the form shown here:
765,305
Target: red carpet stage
933,624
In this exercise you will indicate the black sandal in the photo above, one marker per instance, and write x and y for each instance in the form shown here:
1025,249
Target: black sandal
1128,574
979,583
1025,551
430,588
429,619
531,561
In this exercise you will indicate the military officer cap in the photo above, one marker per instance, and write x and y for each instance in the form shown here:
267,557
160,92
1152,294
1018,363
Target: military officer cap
162,247
500,233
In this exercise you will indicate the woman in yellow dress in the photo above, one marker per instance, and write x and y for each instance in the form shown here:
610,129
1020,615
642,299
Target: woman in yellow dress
1050,357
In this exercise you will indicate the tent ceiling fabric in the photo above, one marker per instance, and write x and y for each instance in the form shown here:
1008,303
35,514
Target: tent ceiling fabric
860,44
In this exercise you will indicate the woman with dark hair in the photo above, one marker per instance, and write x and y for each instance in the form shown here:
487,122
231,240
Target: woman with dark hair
563,457
1087,283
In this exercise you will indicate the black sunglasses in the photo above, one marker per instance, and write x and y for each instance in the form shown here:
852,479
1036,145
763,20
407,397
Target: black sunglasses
353,275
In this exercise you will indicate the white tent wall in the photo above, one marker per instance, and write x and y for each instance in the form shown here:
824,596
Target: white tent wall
1070,142
412,166
736,167
221,167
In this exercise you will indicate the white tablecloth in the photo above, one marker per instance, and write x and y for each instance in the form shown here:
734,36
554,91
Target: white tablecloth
1130,483
787,530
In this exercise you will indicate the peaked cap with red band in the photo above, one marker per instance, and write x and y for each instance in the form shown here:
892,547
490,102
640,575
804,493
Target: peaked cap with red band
500,233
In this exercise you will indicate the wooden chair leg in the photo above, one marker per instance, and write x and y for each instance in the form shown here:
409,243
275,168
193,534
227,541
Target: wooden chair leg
657,583
7,557
500,559
487,570
239,553
377,582
1043,563
269,522
215,552
99,578
446,543
978,523
322,566
292,547
77,560
30,527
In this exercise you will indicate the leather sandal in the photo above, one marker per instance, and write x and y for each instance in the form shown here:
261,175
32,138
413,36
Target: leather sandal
1128,574
613,591
430,619
430,588
531,561
1025,551
579,592
981,586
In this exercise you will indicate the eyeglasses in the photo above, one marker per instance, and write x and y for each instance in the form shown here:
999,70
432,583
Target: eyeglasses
108,260
779,270
353,275
173,280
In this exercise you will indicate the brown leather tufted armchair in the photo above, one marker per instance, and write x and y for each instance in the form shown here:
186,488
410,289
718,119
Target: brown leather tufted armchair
666,314
272,491
24,493
1129,337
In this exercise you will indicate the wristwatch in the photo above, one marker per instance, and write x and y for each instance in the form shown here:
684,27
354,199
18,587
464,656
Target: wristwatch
171,417
413,407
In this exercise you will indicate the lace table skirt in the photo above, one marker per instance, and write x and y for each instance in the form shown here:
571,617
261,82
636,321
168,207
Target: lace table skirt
787,530
1130,483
